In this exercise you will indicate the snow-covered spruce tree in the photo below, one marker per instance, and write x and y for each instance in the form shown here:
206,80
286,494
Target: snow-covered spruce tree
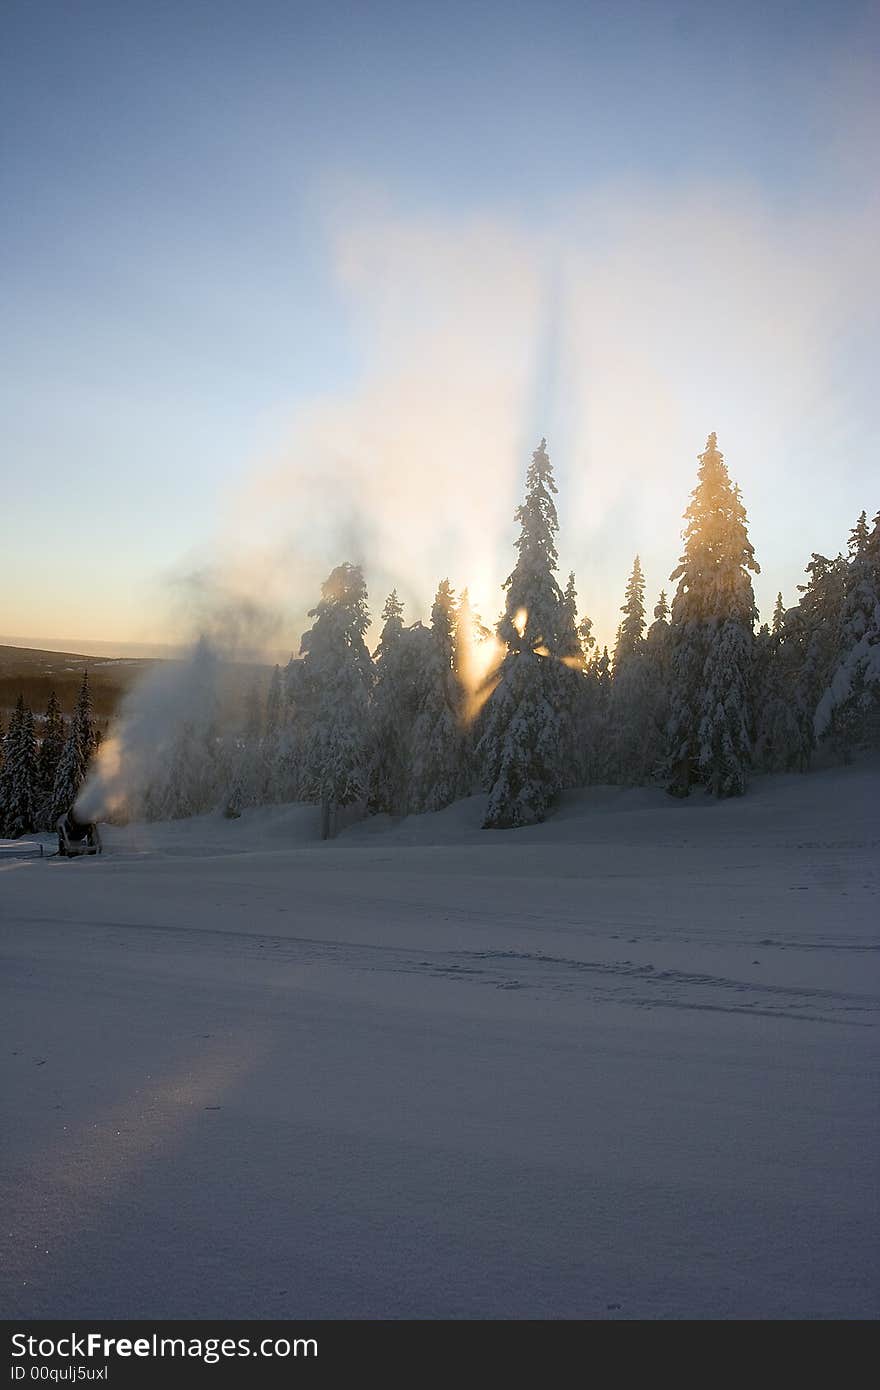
18,793
599,683
51,748
777,746
69,776
631,711
393,713
337,676
523,742
657,656
711,636
658,632
76,755
437,773
575,642
725,733
5,745
811,643
848,711
475,681
778,617
631,632
85,722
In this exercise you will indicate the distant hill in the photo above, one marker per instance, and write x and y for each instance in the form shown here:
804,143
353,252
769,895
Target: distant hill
91,646
35,674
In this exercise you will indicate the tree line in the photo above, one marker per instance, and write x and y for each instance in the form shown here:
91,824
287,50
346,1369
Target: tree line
695,698
40,777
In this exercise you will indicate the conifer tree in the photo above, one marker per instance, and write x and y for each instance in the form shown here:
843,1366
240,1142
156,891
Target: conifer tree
337,677
85,723
812,644
711,635
18,794
859,536
777,746
571,638
657,658
631,695
522,745
393,713
661,615
631,632
69,776
848,711
8,743
437,773
475,684
76,755
51,748
601,758
575,642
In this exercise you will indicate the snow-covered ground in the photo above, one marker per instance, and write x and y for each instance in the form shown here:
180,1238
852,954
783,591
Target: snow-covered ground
619,1065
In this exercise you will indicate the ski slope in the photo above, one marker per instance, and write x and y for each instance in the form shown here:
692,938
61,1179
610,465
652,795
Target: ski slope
620,1065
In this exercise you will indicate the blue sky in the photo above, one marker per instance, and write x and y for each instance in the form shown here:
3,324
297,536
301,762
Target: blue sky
254,255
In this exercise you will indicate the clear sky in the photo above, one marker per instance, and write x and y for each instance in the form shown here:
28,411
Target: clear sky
284,284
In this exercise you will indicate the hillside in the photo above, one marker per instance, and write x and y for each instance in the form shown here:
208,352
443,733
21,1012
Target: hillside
35,674
618,1065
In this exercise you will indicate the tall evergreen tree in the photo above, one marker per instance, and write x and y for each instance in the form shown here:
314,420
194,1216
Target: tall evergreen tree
393,712
572,632
713,615
438,771
777,744
85,722
575,642
848,711
859,536
18,793
601,765
811,644
51,748
337,676
8,743
657,657
631,632
76,755
631,694
523,742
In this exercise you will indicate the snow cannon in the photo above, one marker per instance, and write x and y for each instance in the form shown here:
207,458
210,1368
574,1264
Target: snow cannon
76,837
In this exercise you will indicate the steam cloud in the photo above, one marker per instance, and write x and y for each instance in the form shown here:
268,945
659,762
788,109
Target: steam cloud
180,704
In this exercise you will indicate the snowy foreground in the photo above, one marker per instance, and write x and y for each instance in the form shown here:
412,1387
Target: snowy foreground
619,1065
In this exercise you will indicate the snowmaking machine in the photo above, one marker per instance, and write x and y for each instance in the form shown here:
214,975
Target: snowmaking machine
76,837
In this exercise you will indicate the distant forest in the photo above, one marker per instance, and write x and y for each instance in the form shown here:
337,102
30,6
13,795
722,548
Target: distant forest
694,698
